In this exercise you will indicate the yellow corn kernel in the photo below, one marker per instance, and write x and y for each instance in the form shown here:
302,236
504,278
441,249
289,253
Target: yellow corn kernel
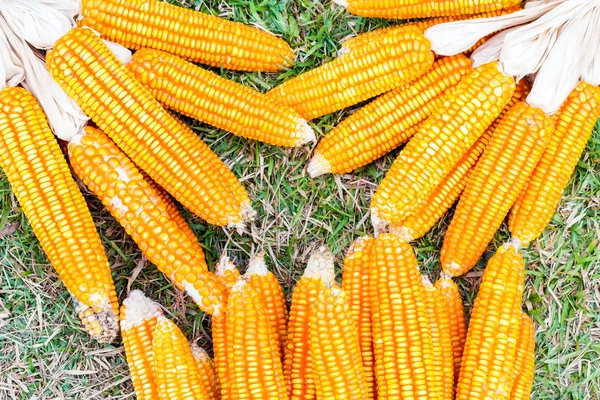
507,162
387,121
334,348
538,201
174,157
490,350
138,320
404,366
399,58
107,171
42,183
525,361
187,33
440,143
355,283
206,372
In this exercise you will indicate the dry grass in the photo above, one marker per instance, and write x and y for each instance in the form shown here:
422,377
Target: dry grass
44,354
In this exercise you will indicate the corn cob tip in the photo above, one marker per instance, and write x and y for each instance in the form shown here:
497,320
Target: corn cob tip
138,308
444,280
257,266
199,353
320,265
343,50
225,264
379,224
100,321
454,269
515,242
199,299
356,246
305,132
342,3
404,232
318,165
246,216
427,282
239,285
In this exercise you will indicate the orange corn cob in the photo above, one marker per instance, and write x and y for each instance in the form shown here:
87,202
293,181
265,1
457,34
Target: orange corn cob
403,9
253,359
174,365
334,348
404,366
441,335
206,372
399,58
267,286
174,157
355,283
491,346
187,33
297,365
506,164
138,320
387,121
538,201
41,181
440,143
458,325
419,222
525,361
107,171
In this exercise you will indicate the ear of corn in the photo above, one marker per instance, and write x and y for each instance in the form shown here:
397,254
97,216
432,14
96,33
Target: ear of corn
206,372
204,95
174,365
107,171
355,283
138,319
440,142
297,365
40,179
403,9
253,359
491,346
538,201
404,366
441,336
334,348
187,33
525,360
508,160
399,58
387,121
458,325
420,221
174,157
267,286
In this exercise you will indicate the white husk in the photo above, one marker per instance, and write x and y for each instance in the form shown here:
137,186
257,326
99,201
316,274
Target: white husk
257,266
123,54
490,50
591,64
11,67
456,37
139,308
40,22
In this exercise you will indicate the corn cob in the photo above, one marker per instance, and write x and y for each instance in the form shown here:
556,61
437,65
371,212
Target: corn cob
387,121
355,283
491,345
131,200
253,359
206,372
402,339
458,325
204,95
440,143
40,178
506,164
541,196
174,157
174,365
334,348
138,320
398,58
363,39
525,362
419,222
297,365
190,34
227,272
404,9
172,210
441,335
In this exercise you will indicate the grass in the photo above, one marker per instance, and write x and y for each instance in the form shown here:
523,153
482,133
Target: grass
44,353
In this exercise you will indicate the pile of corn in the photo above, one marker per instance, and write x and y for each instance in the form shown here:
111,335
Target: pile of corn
386,332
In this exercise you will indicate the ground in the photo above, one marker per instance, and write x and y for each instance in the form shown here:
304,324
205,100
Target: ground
44,353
